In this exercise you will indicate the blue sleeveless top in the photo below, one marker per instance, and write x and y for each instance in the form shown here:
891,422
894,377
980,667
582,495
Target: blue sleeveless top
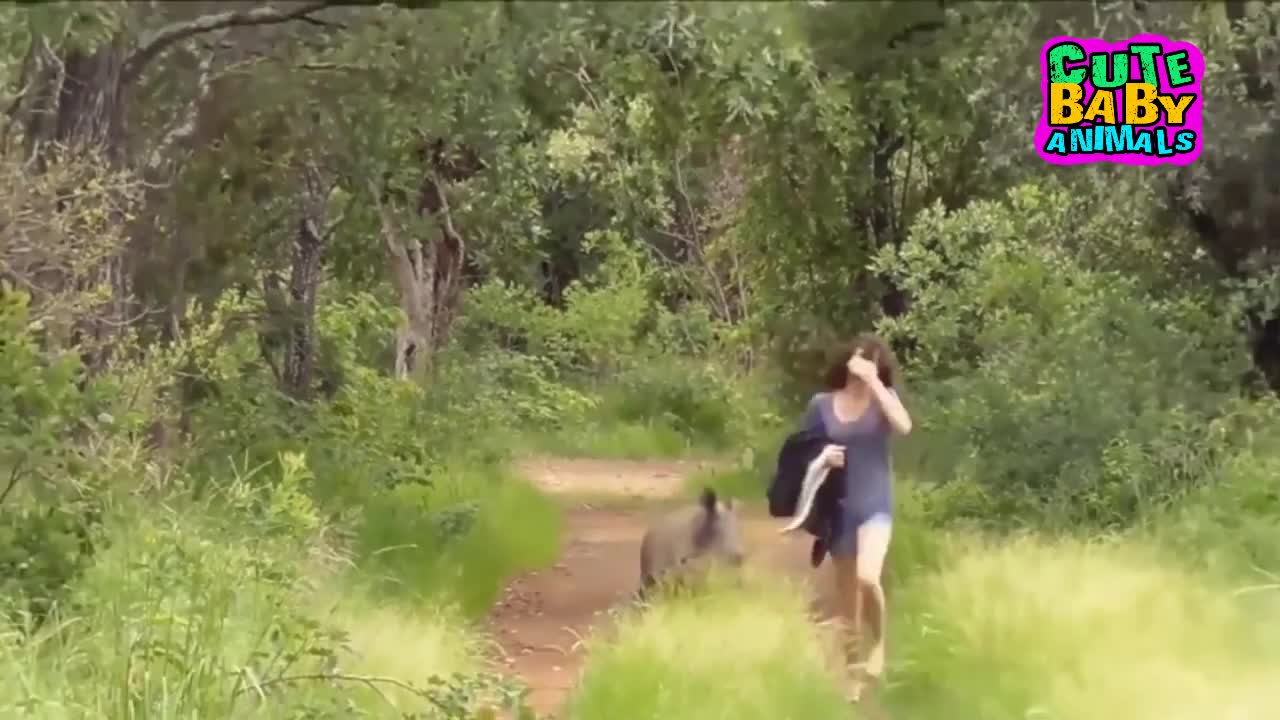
868,472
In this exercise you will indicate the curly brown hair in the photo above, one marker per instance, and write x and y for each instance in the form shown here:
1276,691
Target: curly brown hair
874,349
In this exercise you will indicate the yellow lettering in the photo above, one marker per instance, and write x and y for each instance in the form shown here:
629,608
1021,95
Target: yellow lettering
1140,104
1175,110
1064,104
1102,104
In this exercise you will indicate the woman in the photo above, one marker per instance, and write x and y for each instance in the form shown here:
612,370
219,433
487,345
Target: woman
860,412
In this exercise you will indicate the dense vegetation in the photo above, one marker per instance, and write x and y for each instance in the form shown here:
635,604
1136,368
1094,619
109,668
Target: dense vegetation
285,287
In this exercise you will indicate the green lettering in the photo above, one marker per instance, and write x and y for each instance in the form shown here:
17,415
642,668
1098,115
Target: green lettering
1146,52
1178,68
1058,57
1119,70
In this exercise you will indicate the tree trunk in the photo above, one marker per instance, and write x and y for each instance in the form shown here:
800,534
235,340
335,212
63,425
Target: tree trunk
304,280
74,108
427,272
885,223
75,103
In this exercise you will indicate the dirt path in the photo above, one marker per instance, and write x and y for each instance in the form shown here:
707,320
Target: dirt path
542,618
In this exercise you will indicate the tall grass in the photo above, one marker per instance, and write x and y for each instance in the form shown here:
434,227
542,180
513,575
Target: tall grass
457,540
171,621
223,608
719,654
411,642
1071,629
1230,526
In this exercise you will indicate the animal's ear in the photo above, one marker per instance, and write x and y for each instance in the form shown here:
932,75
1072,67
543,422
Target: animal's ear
709,501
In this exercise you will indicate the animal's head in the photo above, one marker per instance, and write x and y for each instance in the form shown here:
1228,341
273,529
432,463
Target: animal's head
717,533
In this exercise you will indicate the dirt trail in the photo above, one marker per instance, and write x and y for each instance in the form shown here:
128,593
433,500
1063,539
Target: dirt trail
543,616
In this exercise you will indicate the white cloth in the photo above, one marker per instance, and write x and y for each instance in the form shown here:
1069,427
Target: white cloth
813,479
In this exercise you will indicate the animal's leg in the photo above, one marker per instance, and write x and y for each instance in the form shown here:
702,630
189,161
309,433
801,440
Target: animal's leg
646,585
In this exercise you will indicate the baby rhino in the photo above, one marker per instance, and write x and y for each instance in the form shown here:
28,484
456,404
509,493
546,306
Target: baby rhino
687,540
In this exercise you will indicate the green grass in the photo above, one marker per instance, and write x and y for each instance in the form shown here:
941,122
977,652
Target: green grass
989,628
747,477
721,654
459,539
185,611
1077,630
735,481
1228,527
408,642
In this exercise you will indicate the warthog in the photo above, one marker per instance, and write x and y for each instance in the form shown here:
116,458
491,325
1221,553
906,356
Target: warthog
688,539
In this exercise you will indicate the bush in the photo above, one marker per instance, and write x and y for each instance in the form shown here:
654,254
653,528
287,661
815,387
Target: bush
1228,525
695,400
46,507
596,331
1065,395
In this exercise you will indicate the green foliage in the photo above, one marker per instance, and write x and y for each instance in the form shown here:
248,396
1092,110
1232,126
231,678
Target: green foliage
173,621
45,404
597,330
41,551
1062,392
1227,525
1073,629
44,513
457,539
697,401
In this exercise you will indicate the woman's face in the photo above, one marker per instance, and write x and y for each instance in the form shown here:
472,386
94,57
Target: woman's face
863,353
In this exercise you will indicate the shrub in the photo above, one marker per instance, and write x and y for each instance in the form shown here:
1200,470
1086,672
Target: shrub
695,400
596,331
1065,394
1227,526
46,509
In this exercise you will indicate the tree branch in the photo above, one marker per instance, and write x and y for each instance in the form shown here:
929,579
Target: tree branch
13,481
151,46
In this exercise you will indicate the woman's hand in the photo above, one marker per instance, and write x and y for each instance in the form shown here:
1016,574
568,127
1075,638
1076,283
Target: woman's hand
863,369
833,456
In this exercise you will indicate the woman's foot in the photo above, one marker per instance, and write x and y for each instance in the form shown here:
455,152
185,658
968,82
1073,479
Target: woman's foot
854,695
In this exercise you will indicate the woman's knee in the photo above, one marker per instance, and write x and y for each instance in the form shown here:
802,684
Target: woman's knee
870,585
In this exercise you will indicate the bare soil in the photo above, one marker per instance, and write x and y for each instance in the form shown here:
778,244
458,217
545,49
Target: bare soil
543,618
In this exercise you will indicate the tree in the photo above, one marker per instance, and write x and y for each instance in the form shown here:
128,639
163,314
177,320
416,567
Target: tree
78,77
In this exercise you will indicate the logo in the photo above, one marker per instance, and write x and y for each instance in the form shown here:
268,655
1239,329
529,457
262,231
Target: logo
1134,103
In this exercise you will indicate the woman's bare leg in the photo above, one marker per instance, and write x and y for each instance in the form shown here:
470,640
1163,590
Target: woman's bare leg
848,607
873,545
